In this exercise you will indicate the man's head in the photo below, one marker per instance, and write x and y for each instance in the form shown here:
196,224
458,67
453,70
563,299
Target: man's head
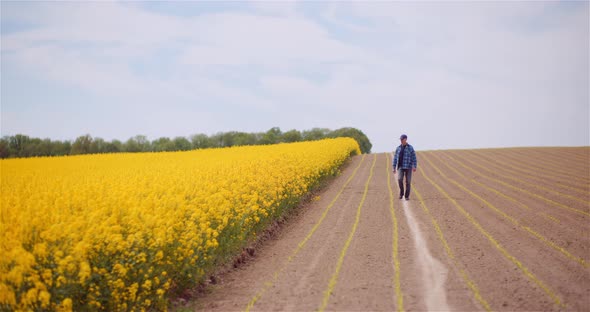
404,139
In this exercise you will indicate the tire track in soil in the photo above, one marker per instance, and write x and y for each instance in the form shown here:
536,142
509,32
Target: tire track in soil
517,222
490,166
511,159
576,170
302,281
503,162
562,203
558,231
494,245
534,246
527,200
564,277
555,157
315,258
359,282
451,255
434,273
235,289
482,255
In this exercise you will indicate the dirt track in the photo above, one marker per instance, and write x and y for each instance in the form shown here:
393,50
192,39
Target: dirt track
504,229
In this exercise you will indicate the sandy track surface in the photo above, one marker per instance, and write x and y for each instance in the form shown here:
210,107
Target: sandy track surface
497,229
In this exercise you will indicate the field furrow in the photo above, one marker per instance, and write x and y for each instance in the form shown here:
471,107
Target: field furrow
518,220
483,230
501,161
473,236
573,204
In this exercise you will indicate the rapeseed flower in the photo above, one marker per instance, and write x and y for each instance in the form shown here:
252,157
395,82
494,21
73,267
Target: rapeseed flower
116,231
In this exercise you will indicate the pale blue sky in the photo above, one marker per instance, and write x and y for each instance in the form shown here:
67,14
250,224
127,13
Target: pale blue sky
449,74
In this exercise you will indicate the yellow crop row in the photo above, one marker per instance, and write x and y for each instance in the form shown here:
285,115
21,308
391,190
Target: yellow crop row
121,231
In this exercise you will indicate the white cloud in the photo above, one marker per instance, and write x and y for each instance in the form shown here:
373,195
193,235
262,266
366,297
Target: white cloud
279,8
238,39
457,69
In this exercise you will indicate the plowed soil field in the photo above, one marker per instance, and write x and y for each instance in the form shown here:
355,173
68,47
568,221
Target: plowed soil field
489,229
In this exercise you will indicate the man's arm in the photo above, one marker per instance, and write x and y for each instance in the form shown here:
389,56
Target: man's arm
414,160
395,156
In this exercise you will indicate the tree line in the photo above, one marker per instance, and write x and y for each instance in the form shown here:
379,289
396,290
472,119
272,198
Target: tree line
21,145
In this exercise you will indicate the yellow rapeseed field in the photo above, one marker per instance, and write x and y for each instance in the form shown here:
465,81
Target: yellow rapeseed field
119,232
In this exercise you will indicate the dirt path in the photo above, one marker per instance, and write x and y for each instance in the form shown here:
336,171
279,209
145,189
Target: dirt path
467,240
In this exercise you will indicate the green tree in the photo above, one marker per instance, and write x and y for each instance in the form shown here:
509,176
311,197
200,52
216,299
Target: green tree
138,143
217,140
243,138
59,148
131,146
143,142
81,145
115,146
228,138
292,136
181,144
31,148
24,146
162,144
4,150
201,141
356,134
272,136
315,134
17,144
98,145
44,148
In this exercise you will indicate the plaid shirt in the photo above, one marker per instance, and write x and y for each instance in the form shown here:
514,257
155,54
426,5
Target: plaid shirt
409,161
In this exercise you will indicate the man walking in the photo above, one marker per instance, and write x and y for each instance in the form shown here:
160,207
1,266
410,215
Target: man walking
404,160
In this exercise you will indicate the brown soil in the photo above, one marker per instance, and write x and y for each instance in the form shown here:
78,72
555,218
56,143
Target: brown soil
497,229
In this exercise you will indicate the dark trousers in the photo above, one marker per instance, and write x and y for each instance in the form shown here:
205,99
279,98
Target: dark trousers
400,179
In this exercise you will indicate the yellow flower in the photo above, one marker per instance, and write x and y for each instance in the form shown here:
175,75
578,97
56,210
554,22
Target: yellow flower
147,285
44,297
66,305
159,255
121,226
7,295
84,272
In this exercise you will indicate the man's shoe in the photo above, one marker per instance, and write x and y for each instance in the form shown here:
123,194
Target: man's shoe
407,198
401,196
